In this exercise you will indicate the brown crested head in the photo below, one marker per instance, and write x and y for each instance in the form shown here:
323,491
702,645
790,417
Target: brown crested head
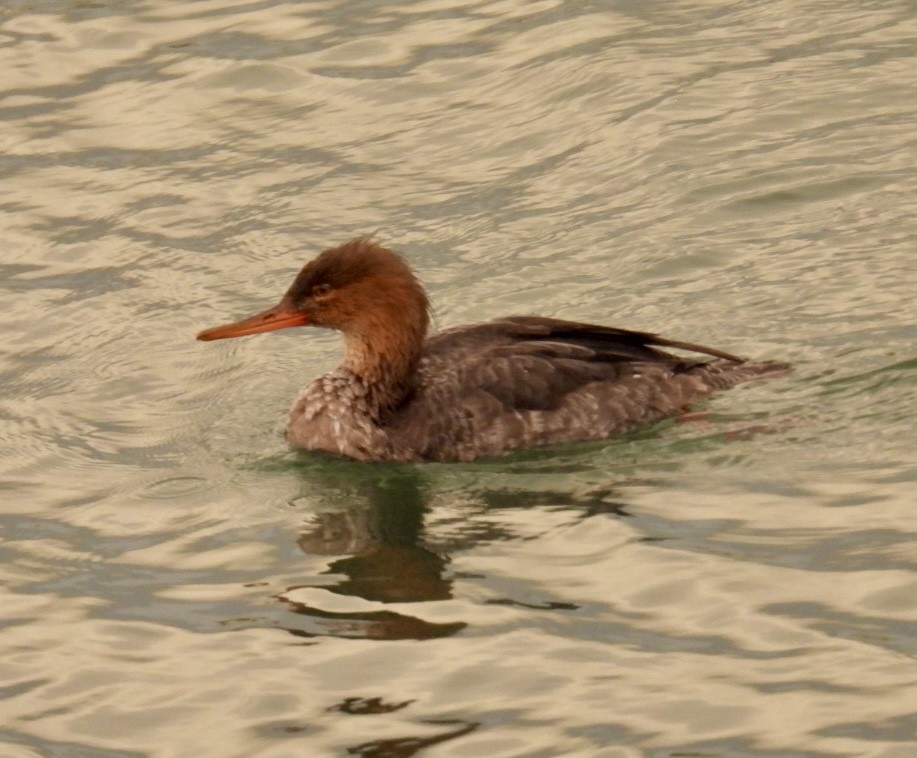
360,288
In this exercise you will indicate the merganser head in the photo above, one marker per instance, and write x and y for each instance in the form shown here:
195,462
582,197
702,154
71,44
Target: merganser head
359,288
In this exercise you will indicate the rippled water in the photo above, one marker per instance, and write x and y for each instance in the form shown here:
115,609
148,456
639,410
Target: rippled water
175,582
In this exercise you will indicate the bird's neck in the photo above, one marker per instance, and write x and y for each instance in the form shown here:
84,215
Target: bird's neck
385,365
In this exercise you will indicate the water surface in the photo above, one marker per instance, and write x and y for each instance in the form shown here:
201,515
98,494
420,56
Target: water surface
176,582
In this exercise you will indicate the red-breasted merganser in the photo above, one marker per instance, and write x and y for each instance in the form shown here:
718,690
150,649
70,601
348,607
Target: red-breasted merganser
476,390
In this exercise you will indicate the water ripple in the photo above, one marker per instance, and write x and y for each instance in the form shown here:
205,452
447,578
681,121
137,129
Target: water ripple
737,583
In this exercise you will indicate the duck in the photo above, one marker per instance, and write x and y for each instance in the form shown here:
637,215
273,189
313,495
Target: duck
404,395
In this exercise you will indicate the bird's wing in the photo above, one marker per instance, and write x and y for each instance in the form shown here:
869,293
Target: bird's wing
529,363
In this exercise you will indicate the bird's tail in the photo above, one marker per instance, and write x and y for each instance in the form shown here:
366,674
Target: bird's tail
722,375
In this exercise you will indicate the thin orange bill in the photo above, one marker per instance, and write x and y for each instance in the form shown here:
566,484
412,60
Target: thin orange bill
280,316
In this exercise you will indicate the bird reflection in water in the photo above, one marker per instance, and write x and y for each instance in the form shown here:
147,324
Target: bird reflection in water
385,555
382,531
389,558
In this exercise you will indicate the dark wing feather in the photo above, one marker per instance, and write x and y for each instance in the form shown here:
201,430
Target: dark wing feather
538,376
530,363
488,388
607,340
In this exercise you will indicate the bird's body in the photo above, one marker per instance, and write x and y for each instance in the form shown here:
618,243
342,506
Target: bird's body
472,391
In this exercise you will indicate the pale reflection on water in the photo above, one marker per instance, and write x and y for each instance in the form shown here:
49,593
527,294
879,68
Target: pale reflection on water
177,583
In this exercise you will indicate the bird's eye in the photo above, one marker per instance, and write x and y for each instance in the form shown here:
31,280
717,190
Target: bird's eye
320,290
